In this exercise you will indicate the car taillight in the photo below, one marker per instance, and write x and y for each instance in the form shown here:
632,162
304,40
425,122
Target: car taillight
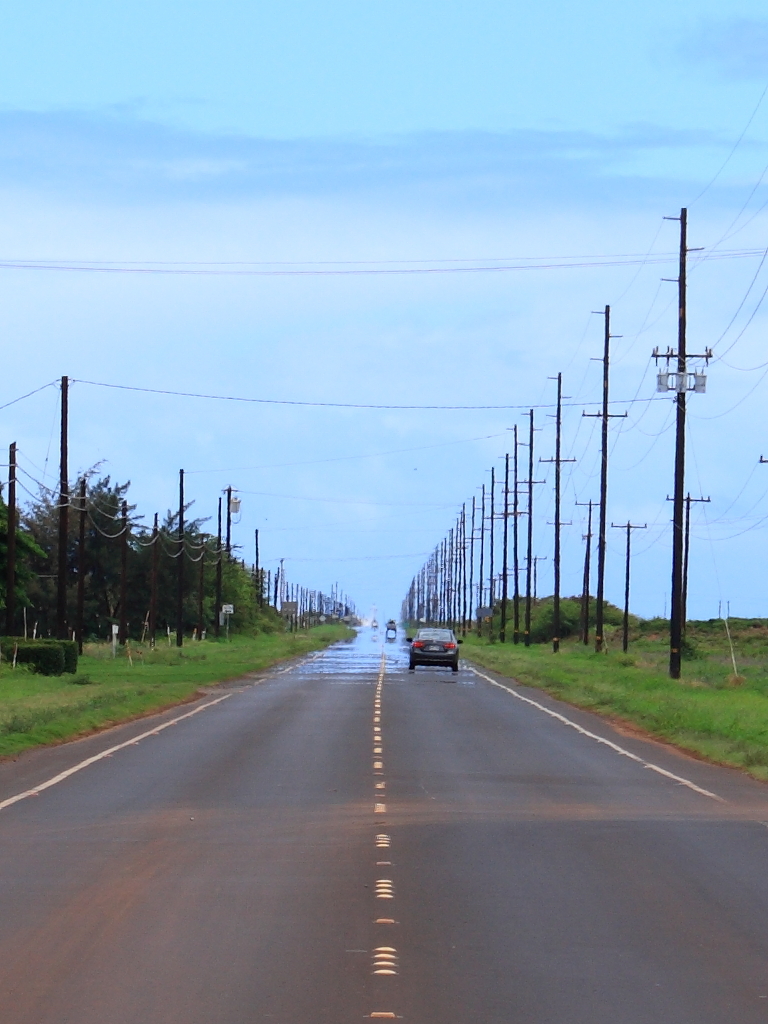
417,643
449,647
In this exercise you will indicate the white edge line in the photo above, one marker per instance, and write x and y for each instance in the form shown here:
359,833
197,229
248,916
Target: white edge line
120,746
105,753
599,739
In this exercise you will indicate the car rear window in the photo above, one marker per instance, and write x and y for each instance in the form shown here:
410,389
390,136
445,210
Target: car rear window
435,634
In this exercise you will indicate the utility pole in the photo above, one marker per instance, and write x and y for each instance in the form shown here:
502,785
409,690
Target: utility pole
504,557
123,628
491,591
471,561
180,568
229,520
688,501
257,570
463,570
482,560
558,461
217,616
153,584
680,383
629,528
201,590
61,583
515,549
10,586
80,568
530,567
604,415
584,631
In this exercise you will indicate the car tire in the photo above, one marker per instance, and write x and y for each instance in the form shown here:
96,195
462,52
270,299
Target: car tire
411,666
455,668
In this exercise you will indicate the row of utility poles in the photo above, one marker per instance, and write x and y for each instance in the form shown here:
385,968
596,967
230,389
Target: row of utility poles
310,605
443,586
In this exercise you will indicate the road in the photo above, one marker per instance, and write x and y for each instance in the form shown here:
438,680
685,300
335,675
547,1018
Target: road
344,841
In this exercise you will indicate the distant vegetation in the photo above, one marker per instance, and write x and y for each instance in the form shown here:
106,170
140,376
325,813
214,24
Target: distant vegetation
37,551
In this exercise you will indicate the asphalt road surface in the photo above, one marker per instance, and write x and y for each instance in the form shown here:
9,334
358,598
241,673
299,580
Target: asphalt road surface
345,841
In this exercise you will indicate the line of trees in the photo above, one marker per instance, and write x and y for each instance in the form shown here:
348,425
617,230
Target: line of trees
120,554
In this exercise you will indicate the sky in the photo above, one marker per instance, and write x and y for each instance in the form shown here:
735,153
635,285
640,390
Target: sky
393,205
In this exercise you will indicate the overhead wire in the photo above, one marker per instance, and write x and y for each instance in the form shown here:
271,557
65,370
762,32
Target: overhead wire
331,405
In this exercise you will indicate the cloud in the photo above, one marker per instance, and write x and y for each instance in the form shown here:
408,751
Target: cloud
738,47
128,160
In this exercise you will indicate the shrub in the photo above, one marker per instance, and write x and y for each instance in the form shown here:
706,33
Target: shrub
44,656
69,647
542,620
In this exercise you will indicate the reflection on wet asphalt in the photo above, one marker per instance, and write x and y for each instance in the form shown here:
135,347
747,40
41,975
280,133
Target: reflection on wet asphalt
357,661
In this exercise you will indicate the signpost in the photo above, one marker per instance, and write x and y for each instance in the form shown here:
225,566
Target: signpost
226,611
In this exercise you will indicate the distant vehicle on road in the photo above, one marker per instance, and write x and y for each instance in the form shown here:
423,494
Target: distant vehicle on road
374,624
434,647
391,630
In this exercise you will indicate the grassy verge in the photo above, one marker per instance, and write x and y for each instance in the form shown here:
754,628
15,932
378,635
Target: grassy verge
709,712
36,710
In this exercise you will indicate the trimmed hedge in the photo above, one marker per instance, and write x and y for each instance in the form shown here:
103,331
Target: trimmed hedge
69,648
48,657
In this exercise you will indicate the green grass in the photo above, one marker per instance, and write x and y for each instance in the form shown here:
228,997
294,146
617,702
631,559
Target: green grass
37,710
708,712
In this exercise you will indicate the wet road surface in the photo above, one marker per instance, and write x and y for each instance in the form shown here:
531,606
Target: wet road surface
346,841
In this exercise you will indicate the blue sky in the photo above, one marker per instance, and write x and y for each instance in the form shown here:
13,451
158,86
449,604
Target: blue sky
244,137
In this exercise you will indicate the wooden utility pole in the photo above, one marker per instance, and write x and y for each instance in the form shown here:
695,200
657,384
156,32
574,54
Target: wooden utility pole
10,584
257,571
681,386
81,566
505,552
201,591
676,601
491,581
153,583
515,548
584,625
629,528
180,567
686,553
463,570
471,562
61,582
122,635
558,461
530,568
604,415
217,616
229,520
482,562
687,502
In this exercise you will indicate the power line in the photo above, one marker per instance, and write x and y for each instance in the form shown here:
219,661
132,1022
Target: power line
185,271
736,145
329,405
29,394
